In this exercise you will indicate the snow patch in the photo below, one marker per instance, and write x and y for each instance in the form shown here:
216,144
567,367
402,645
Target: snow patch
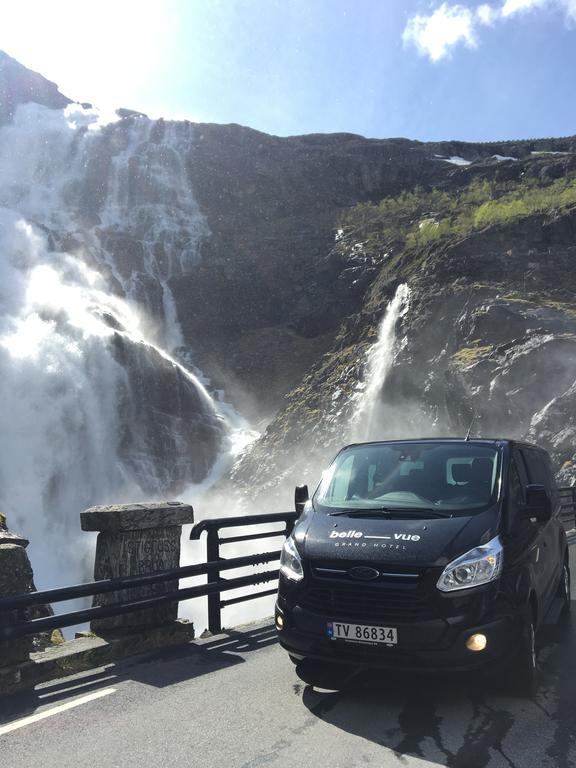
454,160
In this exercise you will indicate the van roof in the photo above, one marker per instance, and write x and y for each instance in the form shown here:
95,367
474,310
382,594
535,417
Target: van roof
495,441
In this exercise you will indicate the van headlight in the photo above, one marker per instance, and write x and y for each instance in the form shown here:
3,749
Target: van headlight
290,562
479,566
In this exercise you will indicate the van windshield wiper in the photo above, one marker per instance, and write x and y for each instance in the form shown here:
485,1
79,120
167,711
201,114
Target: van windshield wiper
389,511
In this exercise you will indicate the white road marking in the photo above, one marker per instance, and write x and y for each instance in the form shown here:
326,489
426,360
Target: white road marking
54,711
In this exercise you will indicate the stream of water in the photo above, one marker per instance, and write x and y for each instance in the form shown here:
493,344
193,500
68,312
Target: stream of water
370,418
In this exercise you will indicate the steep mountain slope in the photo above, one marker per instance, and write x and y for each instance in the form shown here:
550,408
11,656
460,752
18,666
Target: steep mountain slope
487,327
272,206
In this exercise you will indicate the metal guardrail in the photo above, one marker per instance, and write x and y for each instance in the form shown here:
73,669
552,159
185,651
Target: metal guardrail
213,542
14,624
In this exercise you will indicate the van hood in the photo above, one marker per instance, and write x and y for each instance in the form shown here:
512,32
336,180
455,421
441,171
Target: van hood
424,542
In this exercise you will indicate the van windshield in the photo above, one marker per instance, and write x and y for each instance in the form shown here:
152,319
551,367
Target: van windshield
442,476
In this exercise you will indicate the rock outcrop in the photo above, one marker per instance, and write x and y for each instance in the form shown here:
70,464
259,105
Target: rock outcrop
16,577
19,85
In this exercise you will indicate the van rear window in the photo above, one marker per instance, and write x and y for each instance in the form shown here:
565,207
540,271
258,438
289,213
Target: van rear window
450,476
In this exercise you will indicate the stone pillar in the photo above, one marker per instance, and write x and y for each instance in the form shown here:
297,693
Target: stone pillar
136,539
16,577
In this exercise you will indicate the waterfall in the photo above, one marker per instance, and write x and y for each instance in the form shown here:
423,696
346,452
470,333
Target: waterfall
369,420
96,219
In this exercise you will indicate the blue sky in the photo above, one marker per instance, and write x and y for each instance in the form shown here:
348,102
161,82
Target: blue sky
428,70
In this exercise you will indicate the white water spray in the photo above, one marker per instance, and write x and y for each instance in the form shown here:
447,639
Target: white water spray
93,409
367,423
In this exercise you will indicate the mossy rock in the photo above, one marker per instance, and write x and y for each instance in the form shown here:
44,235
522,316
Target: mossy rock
469,355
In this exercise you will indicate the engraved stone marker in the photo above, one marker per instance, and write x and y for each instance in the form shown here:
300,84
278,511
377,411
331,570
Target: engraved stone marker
136,539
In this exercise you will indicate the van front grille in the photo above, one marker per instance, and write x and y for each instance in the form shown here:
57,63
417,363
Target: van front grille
381,604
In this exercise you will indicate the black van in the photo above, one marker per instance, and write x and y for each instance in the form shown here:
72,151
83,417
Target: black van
445,553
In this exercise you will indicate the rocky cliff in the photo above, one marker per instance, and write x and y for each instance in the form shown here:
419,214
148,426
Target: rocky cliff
488,330
272,206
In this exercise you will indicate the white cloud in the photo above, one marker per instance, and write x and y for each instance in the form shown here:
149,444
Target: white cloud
486,14
512,7
436,34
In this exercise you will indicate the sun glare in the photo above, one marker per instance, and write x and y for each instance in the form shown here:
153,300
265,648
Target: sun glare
104,52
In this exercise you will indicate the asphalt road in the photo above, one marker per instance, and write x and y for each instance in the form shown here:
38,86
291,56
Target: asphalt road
236,701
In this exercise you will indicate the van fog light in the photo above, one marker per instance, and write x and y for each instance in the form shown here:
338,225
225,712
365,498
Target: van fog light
279,622
477,642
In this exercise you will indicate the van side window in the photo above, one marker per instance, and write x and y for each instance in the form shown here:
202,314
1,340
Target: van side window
536,467
516,494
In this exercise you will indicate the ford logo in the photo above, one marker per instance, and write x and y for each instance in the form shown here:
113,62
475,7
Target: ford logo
364,573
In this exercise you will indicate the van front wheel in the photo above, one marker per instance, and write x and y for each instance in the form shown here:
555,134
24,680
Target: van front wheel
525,666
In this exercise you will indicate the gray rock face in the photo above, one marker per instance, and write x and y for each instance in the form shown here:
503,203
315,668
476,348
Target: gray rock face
490,331
170,433
19,85
272,206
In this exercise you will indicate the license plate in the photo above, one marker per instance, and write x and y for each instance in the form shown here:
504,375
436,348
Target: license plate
361,633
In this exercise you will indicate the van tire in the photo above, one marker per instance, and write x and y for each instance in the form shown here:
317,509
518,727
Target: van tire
525,670
563,591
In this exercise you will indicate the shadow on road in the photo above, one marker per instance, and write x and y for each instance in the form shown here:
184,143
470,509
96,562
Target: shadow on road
157,668
460,721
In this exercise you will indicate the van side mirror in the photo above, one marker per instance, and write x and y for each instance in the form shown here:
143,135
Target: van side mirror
537,503
301,496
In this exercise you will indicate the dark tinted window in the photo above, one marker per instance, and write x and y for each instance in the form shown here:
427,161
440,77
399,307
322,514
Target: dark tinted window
537,470
516,490
550,472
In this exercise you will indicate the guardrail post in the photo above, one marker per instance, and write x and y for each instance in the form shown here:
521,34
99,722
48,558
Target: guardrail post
136,539
213,574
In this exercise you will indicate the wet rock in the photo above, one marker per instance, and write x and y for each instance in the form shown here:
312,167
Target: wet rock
170,432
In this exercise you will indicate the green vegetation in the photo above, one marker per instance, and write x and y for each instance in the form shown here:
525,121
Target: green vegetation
421,217
469,355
